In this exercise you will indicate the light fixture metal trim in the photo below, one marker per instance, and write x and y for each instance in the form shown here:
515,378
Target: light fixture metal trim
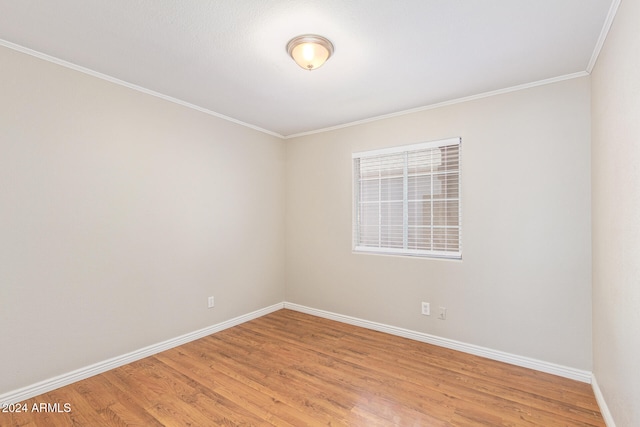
310,51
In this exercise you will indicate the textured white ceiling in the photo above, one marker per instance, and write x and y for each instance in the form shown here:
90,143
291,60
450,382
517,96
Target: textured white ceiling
228,56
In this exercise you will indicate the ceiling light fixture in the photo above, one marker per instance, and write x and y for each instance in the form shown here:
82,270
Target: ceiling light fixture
310,51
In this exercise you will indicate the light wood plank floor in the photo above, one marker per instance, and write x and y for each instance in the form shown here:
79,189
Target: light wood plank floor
292,369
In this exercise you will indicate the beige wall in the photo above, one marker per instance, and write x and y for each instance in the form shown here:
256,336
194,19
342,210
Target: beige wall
120,213
524,284
616,217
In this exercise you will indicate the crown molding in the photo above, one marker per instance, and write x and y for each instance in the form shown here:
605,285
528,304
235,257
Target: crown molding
126,84
444,103
613,10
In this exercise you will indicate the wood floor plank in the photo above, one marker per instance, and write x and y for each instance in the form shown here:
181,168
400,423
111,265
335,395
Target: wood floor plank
271,375
520,383
292,369
259,404
447,381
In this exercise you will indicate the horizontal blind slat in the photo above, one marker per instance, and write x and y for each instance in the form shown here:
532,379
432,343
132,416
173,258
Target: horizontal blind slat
422,218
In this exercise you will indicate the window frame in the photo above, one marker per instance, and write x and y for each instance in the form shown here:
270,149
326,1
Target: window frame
405,251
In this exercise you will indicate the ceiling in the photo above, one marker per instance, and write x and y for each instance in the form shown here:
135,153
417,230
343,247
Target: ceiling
228,57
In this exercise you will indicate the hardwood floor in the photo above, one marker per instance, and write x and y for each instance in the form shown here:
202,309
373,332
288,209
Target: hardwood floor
292,369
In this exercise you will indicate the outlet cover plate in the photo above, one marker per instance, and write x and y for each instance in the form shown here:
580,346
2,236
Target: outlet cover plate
426,309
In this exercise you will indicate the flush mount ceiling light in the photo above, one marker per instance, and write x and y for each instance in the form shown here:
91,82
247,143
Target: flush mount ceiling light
310,51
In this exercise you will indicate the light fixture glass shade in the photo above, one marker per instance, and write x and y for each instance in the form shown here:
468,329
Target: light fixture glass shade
310,51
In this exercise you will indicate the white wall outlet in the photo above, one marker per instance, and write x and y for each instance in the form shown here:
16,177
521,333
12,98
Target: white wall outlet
426,309
210,302
442,314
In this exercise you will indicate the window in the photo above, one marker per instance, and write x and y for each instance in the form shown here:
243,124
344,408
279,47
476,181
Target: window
407,200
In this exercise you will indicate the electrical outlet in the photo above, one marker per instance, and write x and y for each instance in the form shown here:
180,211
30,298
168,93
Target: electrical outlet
426,309
442,315
210,302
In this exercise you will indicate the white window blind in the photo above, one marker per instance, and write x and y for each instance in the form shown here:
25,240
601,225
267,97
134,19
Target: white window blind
407,200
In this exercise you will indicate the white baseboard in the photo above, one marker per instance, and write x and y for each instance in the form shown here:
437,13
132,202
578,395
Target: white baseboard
604,409
97,368
526,362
